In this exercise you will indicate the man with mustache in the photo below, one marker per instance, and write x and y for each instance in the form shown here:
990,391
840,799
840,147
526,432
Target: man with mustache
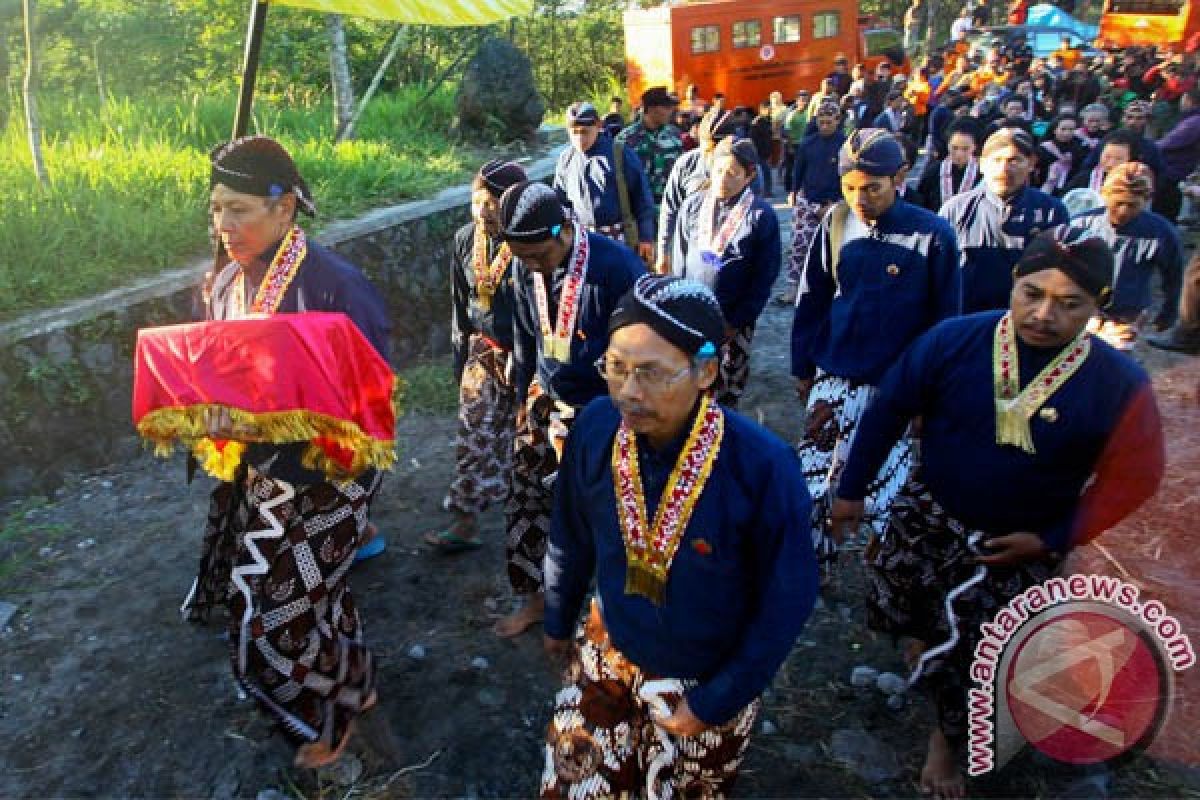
567,282
880,272
995,220
1036,437
693,521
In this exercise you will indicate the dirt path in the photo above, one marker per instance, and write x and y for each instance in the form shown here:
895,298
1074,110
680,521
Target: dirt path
105,692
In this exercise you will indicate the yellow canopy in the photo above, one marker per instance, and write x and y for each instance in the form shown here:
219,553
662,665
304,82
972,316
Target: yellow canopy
449,13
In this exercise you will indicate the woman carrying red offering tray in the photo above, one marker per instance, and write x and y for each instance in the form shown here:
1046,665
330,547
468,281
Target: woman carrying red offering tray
295,416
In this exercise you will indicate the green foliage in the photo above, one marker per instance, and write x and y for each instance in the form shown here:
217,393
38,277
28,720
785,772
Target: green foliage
128,191
430,389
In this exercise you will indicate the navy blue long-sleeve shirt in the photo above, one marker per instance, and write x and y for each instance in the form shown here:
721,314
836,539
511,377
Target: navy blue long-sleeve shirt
1144,245
743,581
894,280
587,182
946,379
749,265
992,234
611,271
468,316
815,170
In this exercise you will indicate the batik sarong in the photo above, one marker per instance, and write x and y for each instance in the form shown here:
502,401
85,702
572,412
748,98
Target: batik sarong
486,418
806,219
823,455
276,556
537,449
733,370
602,741
924,555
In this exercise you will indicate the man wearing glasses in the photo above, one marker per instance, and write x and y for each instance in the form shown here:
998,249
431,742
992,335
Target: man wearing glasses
694,523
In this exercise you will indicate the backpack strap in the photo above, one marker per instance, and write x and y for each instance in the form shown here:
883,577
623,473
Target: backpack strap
837,234
628,223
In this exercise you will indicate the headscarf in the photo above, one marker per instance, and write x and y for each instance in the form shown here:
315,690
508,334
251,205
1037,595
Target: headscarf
683,312
1132,178
1085,258
530,212
873,151
259,166
498,174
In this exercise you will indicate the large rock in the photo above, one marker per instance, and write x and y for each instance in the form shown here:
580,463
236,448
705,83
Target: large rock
497,98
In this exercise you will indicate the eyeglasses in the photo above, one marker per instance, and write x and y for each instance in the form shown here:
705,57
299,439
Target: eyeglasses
652,379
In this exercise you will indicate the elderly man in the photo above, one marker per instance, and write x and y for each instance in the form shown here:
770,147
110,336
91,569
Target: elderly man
1143,244
880,272
604,184
728,240
482,336
657,142
693,522
958,172
994,221
1035,438
294,630
567,283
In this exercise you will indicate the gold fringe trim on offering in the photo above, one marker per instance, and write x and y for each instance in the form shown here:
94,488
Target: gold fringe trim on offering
336,447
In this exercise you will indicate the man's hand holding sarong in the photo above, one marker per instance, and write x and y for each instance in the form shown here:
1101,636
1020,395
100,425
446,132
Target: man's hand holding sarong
1013,549
818,418
645,251
682,721
845,515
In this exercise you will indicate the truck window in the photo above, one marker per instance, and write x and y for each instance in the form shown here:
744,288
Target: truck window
1170,7
787,29
827,24
706,39
747,33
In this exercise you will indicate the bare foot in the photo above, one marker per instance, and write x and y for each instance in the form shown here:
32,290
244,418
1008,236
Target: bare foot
316,755
523,618
940,776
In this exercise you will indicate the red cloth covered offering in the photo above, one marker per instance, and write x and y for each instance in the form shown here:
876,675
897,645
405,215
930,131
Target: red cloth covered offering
309,377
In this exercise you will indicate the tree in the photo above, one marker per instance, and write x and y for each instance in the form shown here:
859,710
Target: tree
32,125
339,74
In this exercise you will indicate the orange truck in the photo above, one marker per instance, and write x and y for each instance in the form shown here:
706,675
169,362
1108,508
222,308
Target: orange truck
1141,23
746,49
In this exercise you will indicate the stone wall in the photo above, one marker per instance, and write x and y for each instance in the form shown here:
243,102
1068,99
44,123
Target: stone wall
66,374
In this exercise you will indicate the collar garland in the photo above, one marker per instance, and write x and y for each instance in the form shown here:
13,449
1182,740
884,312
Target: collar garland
712,246
1014,406
946,174
488,275
556,342
280,273
651,550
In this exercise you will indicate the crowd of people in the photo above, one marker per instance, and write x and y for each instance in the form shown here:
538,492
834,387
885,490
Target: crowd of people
959,347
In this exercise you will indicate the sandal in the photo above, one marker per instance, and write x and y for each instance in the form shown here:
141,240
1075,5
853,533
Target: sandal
372,548
448,542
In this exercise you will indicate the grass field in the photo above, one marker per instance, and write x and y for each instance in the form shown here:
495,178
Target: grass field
128,193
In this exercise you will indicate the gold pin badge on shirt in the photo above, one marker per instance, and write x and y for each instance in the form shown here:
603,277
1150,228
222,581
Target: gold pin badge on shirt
893,270
1049,414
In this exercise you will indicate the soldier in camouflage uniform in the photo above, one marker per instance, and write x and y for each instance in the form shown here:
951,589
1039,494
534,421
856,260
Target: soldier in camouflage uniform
656,141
